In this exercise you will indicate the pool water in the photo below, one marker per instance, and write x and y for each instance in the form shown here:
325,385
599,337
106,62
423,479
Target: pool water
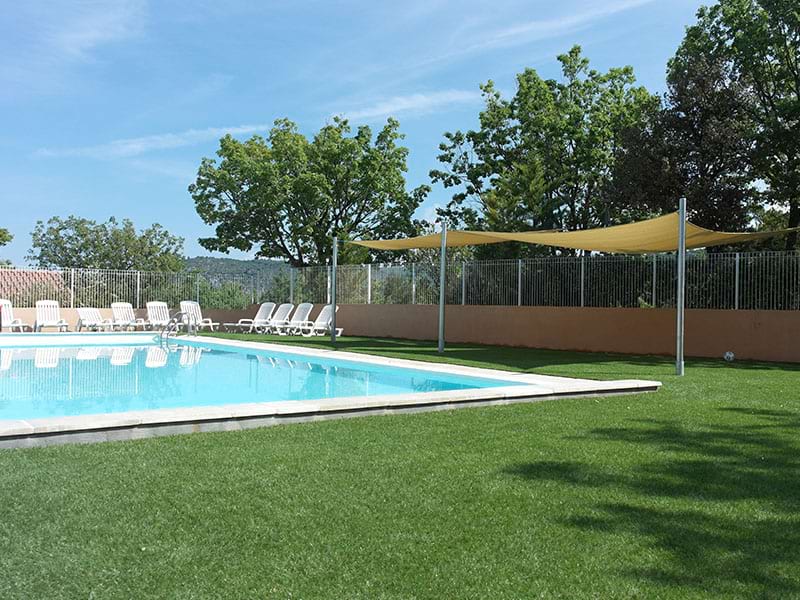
42,382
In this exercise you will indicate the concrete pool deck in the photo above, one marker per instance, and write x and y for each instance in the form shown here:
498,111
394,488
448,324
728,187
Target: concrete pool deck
231,417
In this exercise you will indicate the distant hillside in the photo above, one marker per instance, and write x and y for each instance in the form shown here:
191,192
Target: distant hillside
230,266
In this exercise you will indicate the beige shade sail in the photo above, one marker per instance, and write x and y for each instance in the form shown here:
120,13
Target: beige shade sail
654,235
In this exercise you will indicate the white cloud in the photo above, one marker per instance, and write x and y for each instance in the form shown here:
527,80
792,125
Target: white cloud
60,35
125,148
94,22
552,28
528,32
413,104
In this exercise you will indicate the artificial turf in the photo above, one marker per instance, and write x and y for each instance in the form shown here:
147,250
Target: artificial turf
693,491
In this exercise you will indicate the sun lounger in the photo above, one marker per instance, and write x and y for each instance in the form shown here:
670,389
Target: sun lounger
192,313
295,324
322,324
260,322
48,314
7,318
157,314
124,317
90,318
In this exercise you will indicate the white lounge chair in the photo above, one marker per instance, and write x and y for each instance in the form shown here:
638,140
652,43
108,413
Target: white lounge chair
48,314
157,314
280,317
295,324
91,319
124,317
7,317
258,323
192,313
322,324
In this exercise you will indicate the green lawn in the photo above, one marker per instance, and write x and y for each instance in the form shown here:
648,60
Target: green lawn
690,492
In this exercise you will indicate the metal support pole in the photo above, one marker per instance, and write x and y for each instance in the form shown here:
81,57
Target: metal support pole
736,285
442,281
463,283
655,279
291,285
583,280
197,288
138,289
71,288
328,299
413,283
519,282
369,284
333,288
681,295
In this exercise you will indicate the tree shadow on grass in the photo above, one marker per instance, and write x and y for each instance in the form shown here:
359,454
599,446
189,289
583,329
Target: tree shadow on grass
721,500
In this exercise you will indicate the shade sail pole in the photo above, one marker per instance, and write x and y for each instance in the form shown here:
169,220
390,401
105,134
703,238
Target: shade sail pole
334,261
442,274
680,300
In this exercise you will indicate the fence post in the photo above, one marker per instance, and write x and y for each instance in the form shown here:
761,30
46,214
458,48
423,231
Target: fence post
138,289
291,285
519,282
463,283
72,288
329,285
655,279
736,285
369,284
197,287
583,280
413,283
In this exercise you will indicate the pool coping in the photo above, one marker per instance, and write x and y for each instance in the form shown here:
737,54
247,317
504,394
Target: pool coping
171,421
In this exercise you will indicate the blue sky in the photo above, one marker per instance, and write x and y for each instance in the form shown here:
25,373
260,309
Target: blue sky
106,107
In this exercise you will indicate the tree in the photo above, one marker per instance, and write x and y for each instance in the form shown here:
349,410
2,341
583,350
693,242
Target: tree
5,238
544,158
698,146
287,196
761,39
77,242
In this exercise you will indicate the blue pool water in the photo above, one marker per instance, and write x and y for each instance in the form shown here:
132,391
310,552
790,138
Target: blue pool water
43,382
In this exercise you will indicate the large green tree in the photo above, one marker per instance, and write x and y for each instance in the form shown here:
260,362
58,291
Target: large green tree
699,145
78,242
286,196
761,39
5,238
543,158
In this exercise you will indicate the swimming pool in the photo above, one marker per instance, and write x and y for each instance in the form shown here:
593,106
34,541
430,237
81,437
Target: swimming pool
56,381
90,387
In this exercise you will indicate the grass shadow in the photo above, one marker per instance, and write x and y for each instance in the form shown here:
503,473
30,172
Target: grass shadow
720,499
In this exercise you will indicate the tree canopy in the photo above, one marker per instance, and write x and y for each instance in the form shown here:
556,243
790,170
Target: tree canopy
5,238
760,40
698,145
286,196
78,242
543,158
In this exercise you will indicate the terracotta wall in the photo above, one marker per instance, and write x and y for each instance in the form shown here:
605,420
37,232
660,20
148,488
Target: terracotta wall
757,335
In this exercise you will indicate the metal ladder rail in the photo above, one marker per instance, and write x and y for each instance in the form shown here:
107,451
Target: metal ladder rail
174,324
